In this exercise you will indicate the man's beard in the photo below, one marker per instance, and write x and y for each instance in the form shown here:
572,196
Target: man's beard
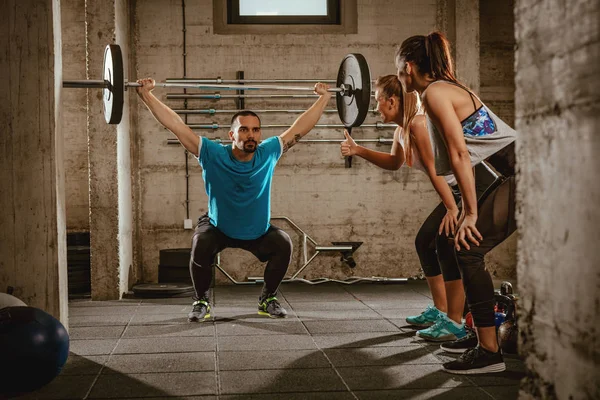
252,149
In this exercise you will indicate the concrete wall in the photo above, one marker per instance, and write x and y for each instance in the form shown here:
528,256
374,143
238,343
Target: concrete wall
124,175
75,117
558,112
311,186
466,42
496,74
32,198
109,159
497,57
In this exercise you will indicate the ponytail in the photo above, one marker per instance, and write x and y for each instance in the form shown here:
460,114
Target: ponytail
410,104
440,61
431,55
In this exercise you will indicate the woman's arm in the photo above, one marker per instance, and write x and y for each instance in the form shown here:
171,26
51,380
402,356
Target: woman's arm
438,103
422,145
390,161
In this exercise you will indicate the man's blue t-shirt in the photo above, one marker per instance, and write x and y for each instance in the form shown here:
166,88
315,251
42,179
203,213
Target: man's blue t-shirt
239,192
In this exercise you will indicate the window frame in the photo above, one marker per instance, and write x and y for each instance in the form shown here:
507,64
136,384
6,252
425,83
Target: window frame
348,14
333,16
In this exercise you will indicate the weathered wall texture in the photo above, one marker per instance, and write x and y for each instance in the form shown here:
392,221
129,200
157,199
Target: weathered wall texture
109,160
32,237
74,117
497,57
311,186
497,90
558,112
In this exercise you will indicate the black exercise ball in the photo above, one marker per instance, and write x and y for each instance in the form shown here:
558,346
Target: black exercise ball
34,347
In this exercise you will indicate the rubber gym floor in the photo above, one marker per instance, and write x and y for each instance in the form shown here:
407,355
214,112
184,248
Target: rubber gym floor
338,342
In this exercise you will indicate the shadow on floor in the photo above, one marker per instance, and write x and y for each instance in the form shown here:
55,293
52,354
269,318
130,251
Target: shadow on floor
94,380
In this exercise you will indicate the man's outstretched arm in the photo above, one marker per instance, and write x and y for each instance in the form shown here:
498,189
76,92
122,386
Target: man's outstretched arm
167,117
308,119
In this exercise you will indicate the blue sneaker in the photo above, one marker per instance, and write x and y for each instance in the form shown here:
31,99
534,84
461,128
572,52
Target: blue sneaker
425,319
444,329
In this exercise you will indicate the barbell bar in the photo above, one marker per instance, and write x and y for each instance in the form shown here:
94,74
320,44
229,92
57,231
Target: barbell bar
353,87
105,84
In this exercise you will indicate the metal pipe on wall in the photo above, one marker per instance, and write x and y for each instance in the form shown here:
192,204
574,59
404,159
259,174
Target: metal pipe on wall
213,111
214,126
217,96
243,81
381,140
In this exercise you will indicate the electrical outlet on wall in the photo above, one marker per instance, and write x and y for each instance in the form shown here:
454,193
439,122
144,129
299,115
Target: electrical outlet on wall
187,224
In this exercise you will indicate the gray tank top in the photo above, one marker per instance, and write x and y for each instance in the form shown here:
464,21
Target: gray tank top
484,133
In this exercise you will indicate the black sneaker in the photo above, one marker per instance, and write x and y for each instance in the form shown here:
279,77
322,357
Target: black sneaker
200,312
461,345
476,361
271,307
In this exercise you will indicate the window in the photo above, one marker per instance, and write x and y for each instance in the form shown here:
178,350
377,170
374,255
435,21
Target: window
283,12
267,17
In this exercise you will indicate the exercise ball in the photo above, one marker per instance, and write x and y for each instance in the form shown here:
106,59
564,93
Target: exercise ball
34,347
6,300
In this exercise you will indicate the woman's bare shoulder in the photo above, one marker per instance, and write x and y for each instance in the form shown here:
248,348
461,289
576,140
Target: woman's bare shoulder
418,123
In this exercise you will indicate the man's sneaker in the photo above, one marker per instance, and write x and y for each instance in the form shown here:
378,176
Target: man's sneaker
271,307
461,345
476,361
425,319
200,312
444,329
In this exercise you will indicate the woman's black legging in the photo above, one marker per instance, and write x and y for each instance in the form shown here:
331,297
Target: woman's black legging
495,222
435,255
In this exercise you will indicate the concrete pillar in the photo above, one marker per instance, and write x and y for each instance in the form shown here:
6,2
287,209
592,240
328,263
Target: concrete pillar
497,91
466,42
32,238
75,116
497,57
124,156
557,117
446,20
459,20
110,190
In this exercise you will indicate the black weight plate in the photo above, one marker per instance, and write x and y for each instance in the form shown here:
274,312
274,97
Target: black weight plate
115,92
354,72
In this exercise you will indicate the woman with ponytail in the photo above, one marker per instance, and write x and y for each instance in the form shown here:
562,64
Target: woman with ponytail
411,145
464,132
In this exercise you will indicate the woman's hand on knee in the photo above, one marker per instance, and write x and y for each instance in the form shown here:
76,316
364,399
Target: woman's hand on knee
449,222
467,232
